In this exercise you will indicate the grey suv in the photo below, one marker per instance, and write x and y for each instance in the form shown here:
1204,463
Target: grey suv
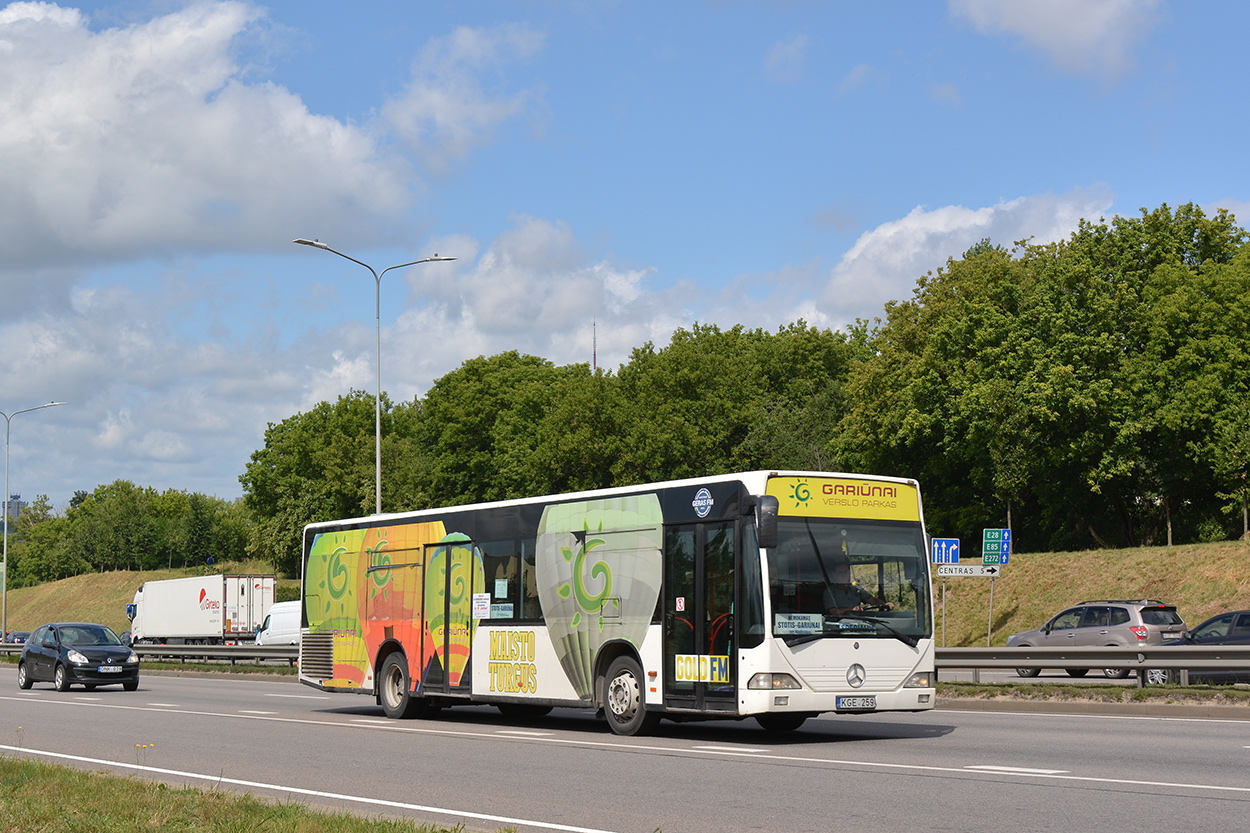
1116,622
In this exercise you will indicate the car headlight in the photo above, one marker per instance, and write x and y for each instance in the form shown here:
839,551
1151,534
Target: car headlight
921,679
772,682
132,658
76,658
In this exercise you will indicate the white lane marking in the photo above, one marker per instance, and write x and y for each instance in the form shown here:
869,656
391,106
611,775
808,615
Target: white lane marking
166,705
260,785
250,711
302,696
1020,769
381,724
755,750
523,732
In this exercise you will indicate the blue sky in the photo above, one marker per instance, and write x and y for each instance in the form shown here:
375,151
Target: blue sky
642,166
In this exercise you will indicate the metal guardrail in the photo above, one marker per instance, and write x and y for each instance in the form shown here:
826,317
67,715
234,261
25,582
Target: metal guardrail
1169,657
229,653
1182,658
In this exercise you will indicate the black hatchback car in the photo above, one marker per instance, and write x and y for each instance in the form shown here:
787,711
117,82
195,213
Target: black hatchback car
1232,628
65,653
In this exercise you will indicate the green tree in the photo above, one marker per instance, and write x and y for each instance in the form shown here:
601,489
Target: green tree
475,419
115,528
315,466
39,551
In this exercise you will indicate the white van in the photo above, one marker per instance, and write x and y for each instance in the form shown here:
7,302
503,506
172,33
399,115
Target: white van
281,626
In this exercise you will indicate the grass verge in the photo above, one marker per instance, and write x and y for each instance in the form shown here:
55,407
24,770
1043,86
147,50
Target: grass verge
35,796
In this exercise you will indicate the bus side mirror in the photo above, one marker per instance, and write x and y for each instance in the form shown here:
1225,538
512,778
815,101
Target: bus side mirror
766,509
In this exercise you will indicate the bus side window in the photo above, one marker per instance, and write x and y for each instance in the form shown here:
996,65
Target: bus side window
502,567
531,607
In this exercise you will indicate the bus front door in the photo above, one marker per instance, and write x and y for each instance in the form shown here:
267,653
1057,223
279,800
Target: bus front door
700,667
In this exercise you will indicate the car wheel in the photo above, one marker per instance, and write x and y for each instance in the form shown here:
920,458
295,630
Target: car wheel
1157,676
23,678
775,722
131,685
622,699
1077,672
1028,672
60,681
1115,673
395,690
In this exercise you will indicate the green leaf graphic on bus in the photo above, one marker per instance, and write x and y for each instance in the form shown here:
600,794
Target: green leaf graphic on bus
600,572
598,589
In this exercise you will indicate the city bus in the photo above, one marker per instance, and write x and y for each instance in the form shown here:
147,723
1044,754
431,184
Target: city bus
692,599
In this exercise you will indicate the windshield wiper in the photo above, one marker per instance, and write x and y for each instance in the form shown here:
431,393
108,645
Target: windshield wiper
795,641
907,639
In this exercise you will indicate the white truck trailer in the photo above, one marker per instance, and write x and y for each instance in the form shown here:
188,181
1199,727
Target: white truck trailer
200,610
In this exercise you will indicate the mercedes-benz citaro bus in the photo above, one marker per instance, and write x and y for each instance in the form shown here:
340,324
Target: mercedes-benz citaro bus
714,597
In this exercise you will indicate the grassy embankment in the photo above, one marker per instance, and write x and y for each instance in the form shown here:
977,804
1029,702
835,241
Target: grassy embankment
1200,579
101,597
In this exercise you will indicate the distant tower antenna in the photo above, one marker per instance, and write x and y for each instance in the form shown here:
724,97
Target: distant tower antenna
594,345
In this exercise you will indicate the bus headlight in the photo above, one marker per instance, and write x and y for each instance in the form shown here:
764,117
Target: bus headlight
772,682
921,679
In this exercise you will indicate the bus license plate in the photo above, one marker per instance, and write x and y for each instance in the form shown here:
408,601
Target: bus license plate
857,703
110,669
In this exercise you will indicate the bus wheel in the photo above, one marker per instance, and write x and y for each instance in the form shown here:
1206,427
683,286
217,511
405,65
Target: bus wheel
780,722
395,690
622,699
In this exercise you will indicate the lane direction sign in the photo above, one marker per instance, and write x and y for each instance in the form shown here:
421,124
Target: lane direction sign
945,550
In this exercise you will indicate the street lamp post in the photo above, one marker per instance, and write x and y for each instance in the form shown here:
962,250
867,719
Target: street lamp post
377,402
4,586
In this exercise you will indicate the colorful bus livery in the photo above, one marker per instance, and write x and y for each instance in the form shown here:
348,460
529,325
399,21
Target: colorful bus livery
691,599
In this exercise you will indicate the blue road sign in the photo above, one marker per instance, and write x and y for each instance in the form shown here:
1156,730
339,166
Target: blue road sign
945,550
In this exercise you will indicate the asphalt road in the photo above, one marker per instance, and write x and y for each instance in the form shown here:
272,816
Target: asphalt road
949,769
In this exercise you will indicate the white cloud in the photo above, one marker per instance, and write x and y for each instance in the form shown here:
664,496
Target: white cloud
945,94
1238,208
1081,36
445,111
144,139
533,289
885,262
784,61
860,76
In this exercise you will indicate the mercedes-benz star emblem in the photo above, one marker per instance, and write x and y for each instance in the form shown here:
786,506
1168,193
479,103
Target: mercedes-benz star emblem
855,675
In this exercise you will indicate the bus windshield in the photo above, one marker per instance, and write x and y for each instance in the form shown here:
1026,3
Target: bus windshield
838,578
